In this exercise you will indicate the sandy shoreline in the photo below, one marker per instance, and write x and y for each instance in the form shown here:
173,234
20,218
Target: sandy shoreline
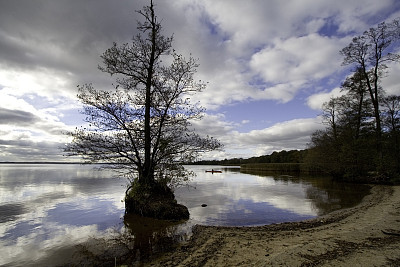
366,235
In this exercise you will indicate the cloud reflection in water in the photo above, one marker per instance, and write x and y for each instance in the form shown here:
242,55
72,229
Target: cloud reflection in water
46,210
234,198
47,207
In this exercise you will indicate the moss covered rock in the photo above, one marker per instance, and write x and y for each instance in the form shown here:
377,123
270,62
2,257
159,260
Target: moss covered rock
156,201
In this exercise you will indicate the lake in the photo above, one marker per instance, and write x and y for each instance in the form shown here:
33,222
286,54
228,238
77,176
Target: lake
54,214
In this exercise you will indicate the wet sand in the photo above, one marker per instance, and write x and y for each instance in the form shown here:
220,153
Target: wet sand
366,235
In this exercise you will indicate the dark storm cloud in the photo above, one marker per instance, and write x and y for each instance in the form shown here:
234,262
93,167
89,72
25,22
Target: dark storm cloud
64,35
17,117
28,144
27,150
28,120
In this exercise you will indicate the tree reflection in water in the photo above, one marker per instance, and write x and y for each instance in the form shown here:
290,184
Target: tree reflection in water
140,239
328,196
151,235
325,193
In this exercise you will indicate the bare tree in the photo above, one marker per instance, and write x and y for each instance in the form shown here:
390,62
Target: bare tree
330,115
392,112
359,106
142,126
370,52
391,121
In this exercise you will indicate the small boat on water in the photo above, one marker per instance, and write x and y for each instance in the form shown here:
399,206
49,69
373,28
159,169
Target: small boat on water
214,171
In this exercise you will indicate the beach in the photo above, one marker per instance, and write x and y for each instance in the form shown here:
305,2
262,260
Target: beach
365,235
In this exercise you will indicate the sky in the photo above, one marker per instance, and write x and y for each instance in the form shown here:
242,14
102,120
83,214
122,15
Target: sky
269,64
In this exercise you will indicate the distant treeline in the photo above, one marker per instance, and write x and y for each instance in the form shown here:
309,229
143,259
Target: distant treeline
292,156
40,162
283,168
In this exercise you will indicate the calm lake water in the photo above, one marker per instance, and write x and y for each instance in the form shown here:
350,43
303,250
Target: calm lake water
56,214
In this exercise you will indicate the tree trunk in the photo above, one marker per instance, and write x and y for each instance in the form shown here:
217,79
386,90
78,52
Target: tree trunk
376,109
359,108
148,170
373,92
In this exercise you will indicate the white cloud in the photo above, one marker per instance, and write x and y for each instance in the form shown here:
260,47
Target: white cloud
281,132
288,135
316,101
261,21
283,92
278,41
46,83
29,133
296,62
391,83
213,125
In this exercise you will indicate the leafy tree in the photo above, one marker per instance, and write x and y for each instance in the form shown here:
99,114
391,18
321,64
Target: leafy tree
142,126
